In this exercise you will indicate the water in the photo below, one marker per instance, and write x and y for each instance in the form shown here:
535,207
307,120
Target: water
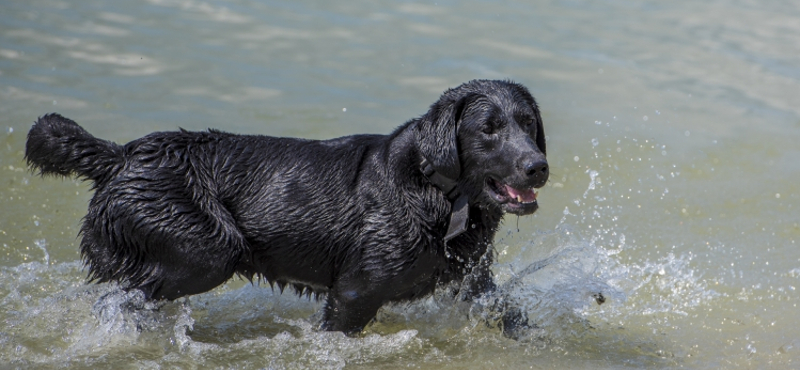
672,136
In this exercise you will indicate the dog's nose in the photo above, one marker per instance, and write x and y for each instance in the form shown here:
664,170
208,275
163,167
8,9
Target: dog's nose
534,168
537,170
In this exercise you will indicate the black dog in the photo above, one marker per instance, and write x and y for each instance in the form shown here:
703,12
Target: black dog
364,219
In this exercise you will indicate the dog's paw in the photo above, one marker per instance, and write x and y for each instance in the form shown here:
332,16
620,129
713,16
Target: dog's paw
515,323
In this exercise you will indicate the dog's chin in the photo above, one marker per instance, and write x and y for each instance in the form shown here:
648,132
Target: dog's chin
510,199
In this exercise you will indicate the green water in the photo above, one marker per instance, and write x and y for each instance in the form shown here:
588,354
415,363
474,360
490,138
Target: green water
672,127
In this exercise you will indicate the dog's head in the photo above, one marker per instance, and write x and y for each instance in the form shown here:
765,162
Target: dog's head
489,136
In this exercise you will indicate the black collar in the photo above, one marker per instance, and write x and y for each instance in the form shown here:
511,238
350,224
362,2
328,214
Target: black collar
459,214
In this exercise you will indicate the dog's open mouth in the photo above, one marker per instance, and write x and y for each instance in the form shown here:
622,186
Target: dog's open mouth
519,200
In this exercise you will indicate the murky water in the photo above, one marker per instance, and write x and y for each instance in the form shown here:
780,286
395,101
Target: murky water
673,132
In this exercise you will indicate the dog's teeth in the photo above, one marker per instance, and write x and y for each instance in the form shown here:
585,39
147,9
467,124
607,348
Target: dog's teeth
519,198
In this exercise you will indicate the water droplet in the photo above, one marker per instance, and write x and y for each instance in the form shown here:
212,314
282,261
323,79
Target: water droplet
595,142
55,102
344,109
663,152
645,118
687,133
576,158
778,195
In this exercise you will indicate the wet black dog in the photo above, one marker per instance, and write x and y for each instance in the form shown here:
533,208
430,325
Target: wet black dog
364,219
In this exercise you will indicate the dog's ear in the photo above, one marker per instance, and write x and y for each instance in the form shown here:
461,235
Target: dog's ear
540,142
437,134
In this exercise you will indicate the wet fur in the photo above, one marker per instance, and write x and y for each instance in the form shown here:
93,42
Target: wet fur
352,218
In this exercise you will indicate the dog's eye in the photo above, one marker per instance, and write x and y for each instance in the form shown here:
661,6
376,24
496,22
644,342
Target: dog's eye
488,128
528,121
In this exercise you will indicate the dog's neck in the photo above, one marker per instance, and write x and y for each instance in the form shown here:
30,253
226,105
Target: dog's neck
405,137
459,215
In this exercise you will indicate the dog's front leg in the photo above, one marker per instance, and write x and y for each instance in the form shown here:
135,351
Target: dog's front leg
513,320
349,310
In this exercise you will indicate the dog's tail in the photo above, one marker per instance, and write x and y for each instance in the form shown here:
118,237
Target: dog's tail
58,146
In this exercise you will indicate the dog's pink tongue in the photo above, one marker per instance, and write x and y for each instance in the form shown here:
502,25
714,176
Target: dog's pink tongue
522,196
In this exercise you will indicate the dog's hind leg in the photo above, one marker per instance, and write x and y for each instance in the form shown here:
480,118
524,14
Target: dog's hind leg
152,236
202,257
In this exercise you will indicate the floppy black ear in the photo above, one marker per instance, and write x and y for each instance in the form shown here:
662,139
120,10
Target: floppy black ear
437,135
540,132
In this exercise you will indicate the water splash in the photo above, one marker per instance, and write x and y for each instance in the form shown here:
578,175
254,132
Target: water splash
42,244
